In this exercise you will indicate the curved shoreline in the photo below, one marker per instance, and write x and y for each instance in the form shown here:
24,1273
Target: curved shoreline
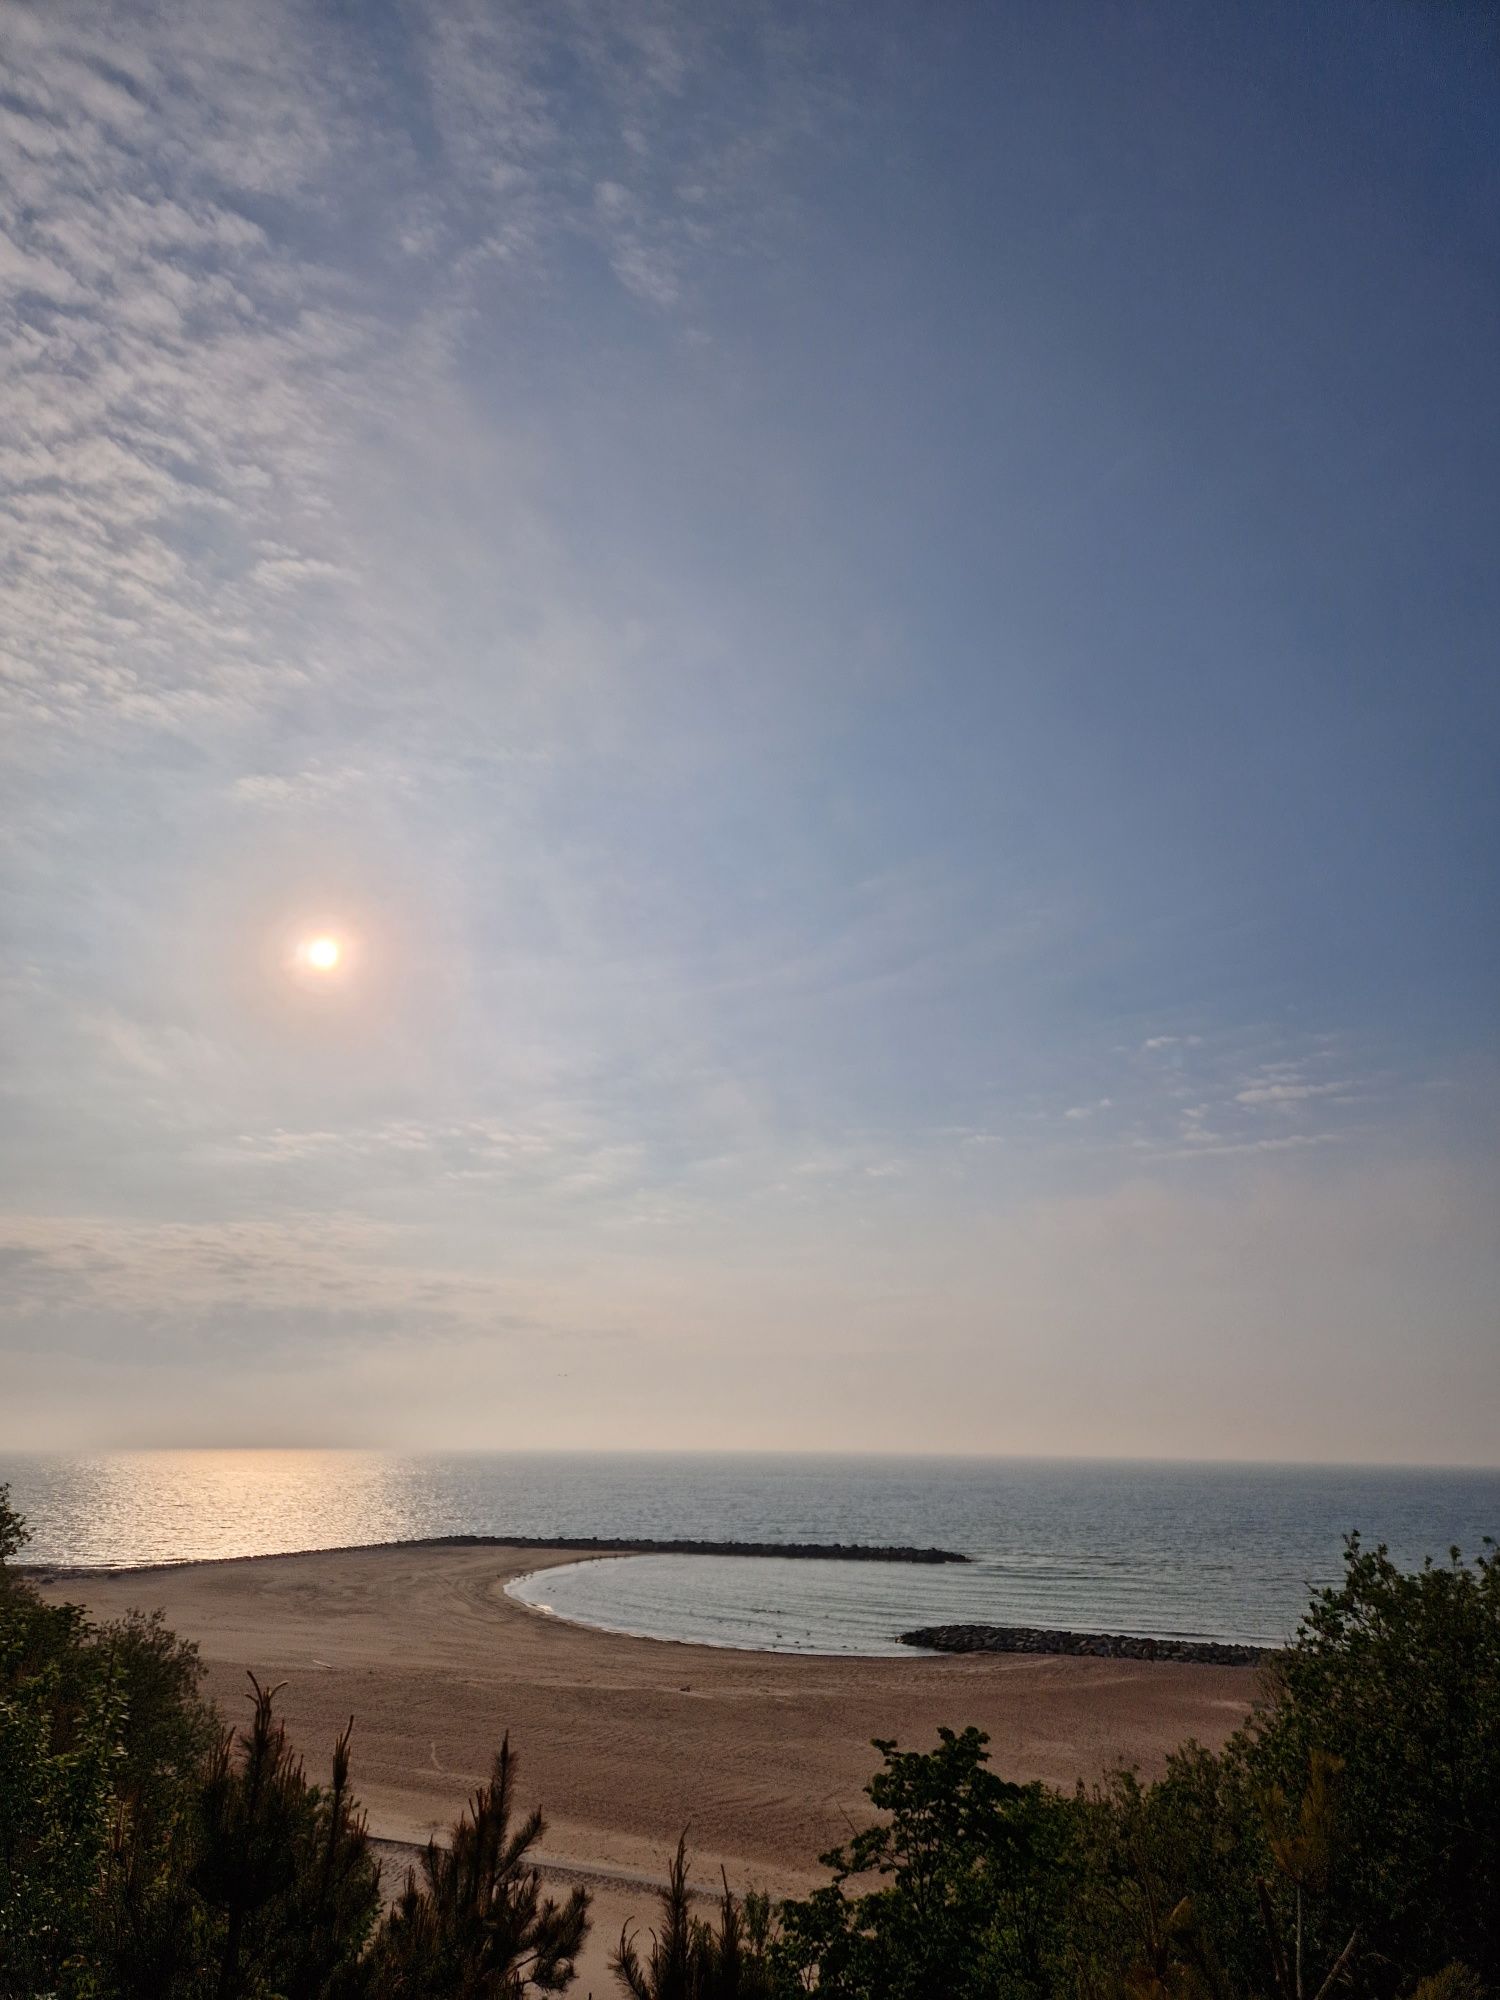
511,1591
955,1639
573,1544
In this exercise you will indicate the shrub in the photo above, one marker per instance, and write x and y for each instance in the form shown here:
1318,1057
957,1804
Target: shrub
474,1922
689,1959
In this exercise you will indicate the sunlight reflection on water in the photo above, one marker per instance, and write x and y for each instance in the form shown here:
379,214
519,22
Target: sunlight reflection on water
162,1506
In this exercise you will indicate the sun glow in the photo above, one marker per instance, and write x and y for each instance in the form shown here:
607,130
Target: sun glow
321,954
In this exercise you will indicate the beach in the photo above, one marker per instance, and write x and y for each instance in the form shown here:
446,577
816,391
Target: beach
626,1741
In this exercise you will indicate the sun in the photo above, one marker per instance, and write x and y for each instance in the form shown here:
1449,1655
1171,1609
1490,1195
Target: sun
321,954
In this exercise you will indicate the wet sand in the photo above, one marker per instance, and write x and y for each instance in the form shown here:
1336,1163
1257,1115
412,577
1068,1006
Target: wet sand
626,1741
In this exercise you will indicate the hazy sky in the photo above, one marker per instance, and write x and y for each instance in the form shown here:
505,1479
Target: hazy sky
875,626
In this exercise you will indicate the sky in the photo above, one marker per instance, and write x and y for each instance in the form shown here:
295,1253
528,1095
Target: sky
874,630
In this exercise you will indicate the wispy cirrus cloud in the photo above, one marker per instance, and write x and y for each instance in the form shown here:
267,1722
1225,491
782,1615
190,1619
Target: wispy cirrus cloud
77,1281
226,265
169,379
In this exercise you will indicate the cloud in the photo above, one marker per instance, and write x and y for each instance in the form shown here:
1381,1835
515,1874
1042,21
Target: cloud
71,1279
205,328
1211,1317
161,1053
561,1157
1201,1144
1287,1093
321,783
169,376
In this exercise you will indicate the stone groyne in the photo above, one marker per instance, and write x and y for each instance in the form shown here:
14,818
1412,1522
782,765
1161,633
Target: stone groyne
1089,1645
638,1545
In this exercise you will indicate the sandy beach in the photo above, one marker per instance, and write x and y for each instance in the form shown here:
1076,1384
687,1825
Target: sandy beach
626,1741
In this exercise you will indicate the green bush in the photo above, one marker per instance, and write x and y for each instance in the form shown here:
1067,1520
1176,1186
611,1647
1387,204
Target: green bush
971,1871
689,1959
474,1920
1396,1677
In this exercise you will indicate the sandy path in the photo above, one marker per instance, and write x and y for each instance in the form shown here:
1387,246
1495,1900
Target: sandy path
625,1741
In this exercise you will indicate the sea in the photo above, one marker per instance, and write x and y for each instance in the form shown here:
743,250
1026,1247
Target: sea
1166,1550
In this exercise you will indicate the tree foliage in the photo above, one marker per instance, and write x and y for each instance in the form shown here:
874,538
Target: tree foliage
1396,1677
690,1959
970,1872
474,1922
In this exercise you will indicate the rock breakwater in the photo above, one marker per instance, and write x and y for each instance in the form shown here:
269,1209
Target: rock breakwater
1092,1645
642,1546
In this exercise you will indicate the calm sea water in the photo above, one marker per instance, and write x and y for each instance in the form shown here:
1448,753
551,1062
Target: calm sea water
1167,1549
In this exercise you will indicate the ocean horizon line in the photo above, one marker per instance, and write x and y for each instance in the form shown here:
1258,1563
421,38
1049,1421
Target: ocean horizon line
720,1454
